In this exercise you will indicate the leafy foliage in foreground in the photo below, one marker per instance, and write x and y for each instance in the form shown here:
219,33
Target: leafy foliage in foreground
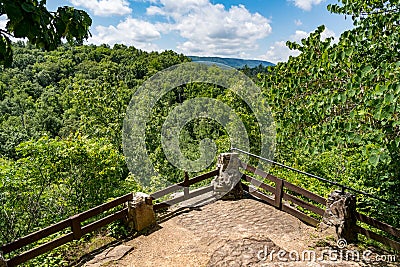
30,19
337,104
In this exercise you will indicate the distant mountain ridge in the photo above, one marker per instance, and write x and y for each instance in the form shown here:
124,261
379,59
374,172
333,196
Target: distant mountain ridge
233,62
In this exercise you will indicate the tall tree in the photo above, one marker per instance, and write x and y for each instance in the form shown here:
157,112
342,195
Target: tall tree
341,101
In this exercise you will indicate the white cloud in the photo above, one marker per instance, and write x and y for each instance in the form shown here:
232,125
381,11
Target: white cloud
212,29
298,35
279,52
131,31
104,7
204,28
329,33
3,21
154,10
298,22
306,4
177,9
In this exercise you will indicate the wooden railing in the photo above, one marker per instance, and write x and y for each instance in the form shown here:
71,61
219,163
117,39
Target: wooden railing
273,195
74,223
186,193
278,195
381,226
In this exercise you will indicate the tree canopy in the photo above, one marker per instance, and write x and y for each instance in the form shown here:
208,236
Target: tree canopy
337,104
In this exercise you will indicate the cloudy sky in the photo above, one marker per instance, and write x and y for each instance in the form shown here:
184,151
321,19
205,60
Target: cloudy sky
254,29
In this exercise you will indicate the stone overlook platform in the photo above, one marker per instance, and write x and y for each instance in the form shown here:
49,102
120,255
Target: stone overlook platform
223,233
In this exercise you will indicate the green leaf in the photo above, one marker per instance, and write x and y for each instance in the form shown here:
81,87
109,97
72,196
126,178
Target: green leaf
349,51
5,51
374,159
389,98
397,141
28,7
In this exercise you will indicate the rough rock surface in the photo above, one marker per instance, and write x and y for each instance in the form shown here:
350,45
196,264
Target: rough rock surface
224,233
340,214
109,255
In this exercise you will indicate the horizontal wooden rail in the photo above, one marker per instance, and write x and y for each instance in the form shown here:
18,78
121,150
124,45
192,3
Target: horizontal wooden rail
284,207
254,192
288,185
300,215
280,195
105,221
384,240
379,225
73,222
303,204
30,254
173,188
259,172
202,177
104,207
168,190
179,199
304,192
256,182
342,186
33,237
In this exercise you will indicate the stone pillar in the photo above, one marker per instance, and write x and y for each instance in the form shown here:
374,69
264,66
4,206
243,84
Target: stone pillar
227,185
340,215
140,212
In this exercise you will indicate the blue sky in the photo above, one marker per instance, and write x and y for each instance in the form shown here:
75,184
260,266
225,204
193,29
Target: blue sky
254,29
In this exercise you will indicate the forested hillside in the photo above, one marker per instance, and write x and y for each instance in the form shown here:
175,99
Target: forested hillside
233,62
61,116
61,124
336,108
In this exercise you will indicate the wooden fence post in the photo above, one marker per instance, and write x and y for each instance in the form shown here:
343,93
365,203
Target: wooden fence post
76,227
278,193
186,186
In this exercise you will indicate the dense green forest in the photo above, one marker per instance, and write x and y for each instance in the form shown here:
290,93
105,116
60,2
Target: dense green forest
61,120
336,109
